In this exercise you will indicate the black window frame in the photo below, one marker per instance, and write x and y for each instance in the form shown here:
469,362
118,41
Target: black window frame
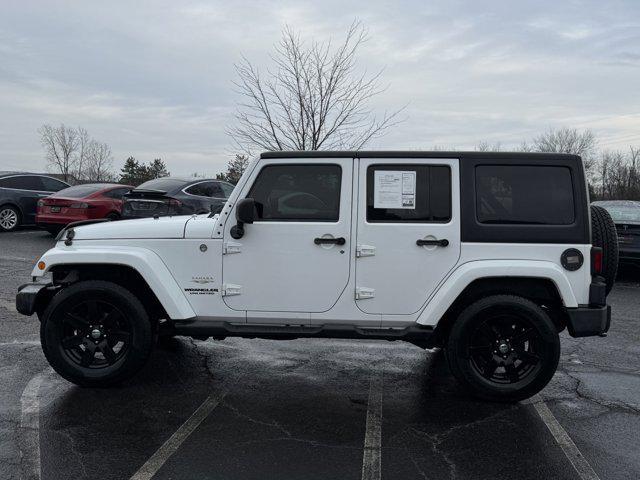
406,167
299,220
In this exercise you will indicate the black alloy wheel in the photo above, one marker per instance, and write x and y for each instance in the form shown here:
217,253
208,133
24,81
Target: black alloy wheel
96,333
503,348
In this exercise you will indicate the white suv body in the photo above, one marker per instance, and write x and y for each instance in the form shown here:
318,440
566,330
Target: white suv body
354,244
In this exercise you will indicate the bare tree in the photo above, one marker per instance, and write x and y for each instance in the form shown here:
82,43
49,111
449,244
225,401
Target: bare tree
60,144
98,163
84,146
568,140
484,146
313,100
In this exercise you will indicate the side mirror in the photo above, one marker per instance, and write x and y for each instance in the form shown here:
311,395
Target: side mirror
246,210
245,213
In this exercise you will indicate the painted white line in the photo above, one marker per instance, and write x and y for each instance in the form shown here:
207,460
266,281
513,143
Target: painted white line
20,343
563,439
17,259
372,458
158,459
30,430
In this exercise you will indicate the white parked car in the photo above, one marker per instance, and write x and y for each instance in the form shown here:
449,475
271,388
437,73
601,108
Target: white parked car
487,255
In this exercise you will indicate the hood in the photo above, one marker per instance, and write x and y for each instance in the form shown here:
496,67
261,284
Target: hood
163,227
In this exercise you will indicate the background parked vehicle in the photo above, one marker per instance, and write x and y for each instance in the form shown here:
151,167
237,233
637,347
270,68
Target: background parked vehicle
80,202
626,216
19,195
175,196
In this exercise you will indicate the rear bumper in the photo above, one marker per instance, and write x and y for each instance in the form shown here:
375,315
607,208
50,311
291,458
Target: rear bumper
588,321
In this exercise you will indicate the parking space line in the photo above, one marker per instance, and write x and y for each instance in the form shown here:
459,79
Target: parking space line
158,459
372,457
580,464
17,259
30,429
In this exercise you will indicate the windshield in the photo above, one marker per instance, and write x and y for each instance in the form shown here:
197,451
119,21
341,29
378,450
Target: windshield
161,184
79,191
623,213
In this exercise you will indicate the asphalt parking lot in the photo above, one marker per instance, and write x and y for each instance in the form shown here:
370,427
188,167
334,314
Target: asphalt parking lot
245,409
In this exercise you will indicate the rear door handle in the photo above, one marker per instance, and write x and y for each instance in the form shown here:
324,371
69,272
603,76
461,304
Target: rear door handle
439,243
328,241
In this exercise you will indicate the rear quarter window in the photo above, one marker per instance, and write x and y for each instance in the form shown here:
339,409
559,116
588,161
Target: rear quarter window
525,195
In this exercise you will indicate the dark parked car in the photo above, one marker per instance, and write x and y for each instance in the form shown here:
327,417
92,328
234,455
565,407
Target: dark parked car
81,202
19,195
626,216
175,196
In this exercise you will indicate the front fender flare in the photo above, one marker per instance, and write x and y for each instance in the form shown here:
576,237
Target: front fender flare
146,262
465,274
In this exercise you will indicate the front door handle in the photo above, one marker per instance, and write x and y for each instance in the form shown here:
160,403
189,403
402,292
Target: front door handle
439,243
328,241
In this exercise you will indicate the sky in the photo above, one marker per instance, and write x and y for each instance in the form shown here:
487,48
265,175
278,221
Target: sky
155,79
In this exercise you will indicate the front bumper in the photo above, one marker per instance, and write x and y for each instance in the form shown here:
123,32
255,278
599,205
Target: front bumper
30,295
588,321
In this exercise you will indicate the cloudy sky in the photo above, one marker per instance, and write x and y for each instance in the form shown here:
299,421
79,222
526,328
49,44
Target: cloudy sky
154,79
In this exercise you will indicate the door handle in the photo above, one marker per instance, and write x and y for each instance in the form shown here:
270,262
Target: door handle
439,243
328,241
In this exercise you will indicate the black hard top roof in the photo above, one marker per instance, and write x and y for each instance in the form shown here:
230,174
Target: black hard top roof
415,154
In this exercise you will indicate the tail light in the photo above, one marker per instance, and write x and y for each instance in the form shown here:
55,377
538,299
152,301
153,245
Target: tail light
79,205
596,261
40,203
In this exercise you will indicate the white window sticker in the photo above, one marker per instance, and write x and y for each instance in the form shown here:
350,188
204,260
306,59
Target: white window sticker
394,189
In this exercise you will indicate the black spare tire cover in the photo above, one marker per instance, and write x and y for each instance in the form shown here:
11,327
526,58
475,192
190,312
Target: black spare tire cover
605,236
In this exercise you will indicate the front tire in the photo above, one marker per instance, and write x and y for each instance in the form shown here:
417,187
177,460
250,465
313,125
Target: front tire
96,334
9,218
503,348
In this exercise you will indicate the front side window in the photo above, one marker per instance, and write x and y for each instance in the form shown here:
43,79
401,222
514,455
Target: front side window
408,193
298,193
526,195
22,182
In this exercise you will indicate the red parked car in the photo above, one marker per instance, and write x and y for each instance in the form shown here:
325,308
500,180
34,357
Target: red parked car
80,202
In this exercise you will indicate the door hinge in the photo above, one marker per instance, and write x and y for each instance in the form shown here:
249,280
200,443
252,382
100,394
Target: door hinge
365,250
229,289
364,293
230,247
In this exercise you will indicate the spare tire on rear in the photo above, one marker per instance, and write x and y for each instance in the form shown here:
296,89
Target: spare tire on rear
605,236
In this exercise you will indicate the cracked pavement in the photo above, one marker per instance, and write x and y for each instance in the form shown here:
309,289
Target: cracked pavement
297,409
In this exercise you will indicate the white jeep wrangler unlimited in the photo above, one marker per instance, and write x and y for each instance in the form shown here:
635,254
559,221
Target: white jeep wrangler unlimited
487,255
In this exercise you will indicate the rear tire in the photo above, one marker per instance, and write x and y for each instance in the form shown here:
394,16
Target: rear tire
503,348
605,236
10,218
113,216
96,334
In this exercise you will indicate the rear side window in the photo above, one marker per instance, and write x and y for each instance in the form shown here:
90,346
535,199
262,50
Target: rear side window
205,189
227,189
117,193
52,185
79,191
298,193
409,193
521,194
